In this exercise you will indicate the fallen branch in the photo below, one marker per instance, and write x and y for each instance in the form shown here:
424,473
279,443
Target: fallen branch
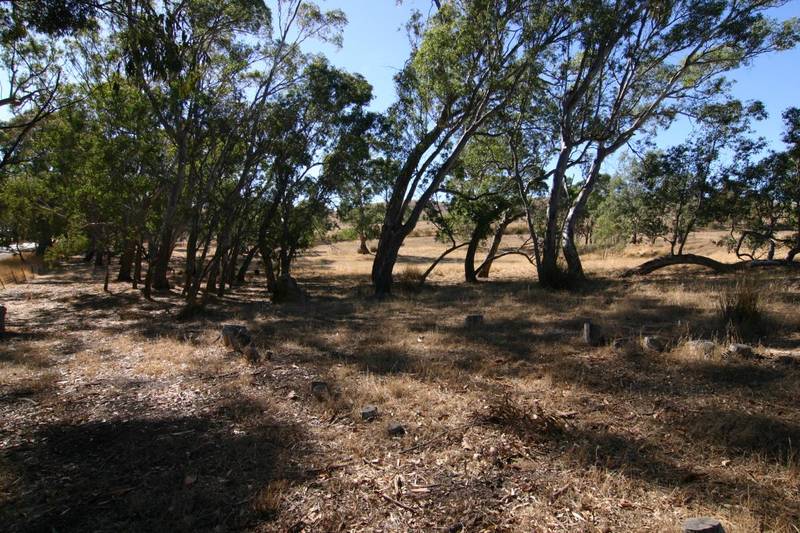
717,266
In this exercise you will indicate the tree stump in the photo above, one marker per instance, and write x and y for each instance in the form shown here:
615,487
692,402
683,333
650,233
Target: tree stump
239,340
705,349
395,429
592,334
653,344
320,390
741,350
2,319
472,321
369,413
702,525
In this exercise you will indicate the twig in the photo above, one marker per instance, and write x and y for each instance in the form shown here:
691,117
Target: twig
397,503
434,439
326,469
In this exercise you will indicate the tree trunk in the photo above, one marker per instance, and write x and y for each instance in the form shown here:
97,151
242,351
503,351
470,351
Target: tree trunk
549,275
211,284
469,259
163,253
107,256
137,266
191,253
126,261
571,255
269,271
42,246
385,259
363,249
486,267
228,268
248,258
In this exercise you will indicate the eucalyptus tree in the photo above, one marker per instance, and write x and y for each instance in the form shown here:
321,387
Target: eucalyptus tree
211,70
476,196
762,199
31,63
87,176
627,68
361,195
321,127
30,87
468,63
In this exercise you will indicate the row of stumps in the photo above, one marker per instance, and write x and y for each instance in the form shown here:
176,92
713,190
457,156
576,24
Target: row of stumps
593,337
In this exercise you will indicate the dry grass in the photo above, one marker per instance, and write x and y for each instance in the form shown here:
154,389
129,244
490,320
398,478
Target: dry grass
740,309
14,271
118,416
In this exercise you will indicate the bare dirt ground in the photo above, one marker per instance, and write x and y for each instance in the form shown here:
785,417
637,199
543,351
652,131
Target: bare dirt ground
116,416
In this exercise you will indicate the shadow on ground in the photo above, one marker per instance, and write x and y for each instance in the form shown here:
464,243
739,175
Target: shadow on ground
175,474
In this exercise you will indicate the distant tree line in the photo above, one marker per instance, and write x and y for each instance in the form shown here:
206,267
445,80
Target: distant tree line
132,127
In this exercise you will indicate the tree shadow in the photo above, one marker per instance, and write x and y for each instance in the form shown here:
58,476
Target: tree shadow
170,474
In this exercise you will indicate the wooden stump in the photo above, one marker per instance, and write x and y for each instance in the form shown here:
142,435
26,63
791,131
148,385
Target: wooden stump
369,413
592,335
473,321
702,525
395,429
320,390
653,344
744,351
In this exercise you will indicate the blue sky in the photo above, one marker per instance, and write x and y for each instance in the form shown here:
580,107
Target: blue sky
376,45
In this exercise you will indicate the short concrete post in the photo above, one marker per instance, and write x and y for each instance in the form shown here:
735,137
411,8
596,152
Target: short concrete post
702,525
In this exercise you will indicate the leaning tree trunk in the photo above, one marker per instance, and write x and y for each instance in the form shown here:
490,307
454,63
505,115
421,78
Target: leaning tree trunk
248,258
576,212
469,260
549,275
486,267
385,259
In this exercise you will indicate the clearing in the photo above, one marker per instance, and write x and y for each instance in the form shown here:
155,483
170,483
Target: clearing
116,416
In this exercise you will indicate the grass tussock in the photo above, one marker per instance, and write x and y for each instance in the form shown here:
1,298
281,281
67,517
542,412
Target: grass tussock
267,502
409,278
740,310
530,421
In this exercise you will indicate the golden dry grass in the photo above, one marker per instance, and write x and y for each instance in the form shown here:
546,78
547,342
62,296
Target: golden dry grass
14,271
119,415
